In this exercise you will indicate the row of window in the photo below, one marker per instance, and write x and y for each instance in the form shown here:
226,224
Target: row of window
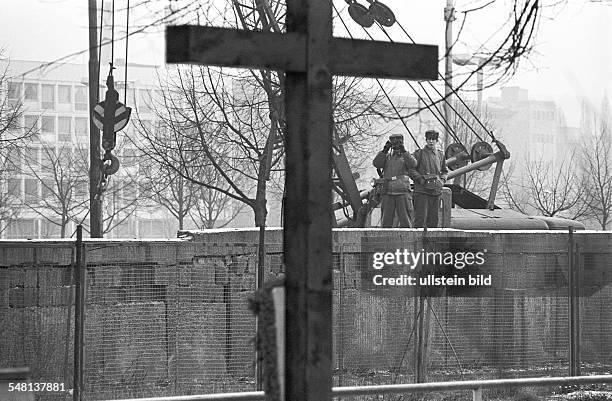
543,114
43,228
33,190
64,126
52,97
78,157
68,128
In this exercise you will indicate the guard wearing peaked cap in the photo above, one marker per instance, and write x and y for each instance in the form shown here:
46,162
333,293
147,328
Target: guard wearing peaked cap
429,176
397,198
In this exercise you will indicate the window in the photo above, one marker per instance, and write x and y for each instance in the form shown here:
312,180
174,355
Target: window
50,229
64,129
31,156
48,158
31,125
130,157
14,187
81,126
47,125
125,230
14,91
131,97
14,158
23,228
47,189
48,97
31,190
146,103
63,94
31,92
153,228
80,98
81,189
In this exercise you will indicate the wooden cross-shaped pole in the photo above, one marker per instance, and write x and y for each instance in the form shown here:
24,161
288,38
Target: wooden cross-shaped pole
310,56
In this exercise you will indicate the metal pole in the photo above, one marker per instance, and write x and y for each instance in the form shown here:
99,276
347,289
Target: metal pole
570,275
259,279
79,317
578,285
449,17
95,203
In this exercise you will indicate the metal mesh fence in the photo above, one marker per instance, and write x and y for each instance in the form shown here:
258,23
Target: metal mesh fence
36,319
171,318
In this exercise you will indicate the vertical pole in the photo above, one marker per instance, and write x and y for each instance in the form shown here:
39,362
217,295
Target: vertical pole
79,317
308,215
577,287
572,312
420,369
259,279
95,203
449,17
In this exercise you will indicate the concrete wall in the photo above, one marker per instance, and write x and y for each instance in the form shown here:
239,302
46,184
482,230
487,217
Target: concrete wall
169,317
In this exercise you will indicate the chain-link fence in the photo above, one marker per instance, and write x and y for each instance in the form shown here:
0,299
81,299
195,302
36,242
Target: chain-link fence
36,319
171,318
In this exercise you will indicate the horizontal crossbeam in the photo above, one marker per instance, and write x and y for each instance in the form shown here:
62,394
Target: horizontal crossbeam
224,47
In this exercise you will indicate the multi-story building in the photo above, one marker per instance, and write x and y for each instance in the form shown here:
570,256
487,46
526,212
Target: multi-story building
531,129
55,109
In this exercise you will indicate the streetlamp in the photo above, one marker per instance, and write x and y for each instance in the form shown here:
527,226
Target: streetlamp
466,59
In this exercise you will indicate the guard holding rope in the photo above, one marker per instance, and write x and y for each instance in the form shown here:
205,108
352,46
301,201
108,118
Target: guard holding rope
429,176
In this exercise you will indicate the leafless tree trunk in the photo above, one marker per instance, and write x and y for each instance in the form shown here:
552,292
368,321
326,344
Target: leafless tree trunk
597,170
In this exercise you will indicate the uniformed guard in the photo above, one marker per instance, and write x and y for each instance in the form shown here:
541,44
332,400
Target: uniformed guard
397,197
429,176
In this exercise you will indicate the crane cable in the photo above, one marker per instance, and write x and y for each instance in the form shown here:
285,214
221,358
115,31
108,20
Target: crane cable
445,124
379,84
440,118
454,92
388,97
127,36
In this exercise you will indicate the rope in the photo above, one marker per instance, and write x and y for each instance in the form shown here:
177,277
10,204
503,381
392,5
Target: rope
127,36
453,91
380,85
444,98
112,36
99,48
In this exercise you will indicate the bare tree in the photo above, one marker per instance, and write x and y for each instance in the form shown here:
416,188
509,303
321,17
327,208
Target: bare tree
184,200
62,176
547,189
9,188
211,121
121,201
597,170
57,177
11,109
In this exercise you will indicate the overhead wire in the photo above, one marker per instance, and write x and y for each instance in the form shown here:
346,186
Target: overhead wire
127,37
441,120
380,85
168,19
453,91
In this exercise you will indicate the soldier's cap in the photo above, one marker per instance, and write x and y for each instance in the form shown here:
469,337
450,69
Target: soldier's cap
400,136
431,134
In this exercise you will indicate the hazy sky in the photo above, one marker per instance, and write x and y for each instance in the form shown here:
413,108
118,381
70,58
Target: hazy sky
573,56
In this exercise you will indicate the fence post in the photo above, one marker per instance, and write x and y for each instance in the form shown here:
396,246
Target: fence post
477,394
577,295
79,317
573,312
340,315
